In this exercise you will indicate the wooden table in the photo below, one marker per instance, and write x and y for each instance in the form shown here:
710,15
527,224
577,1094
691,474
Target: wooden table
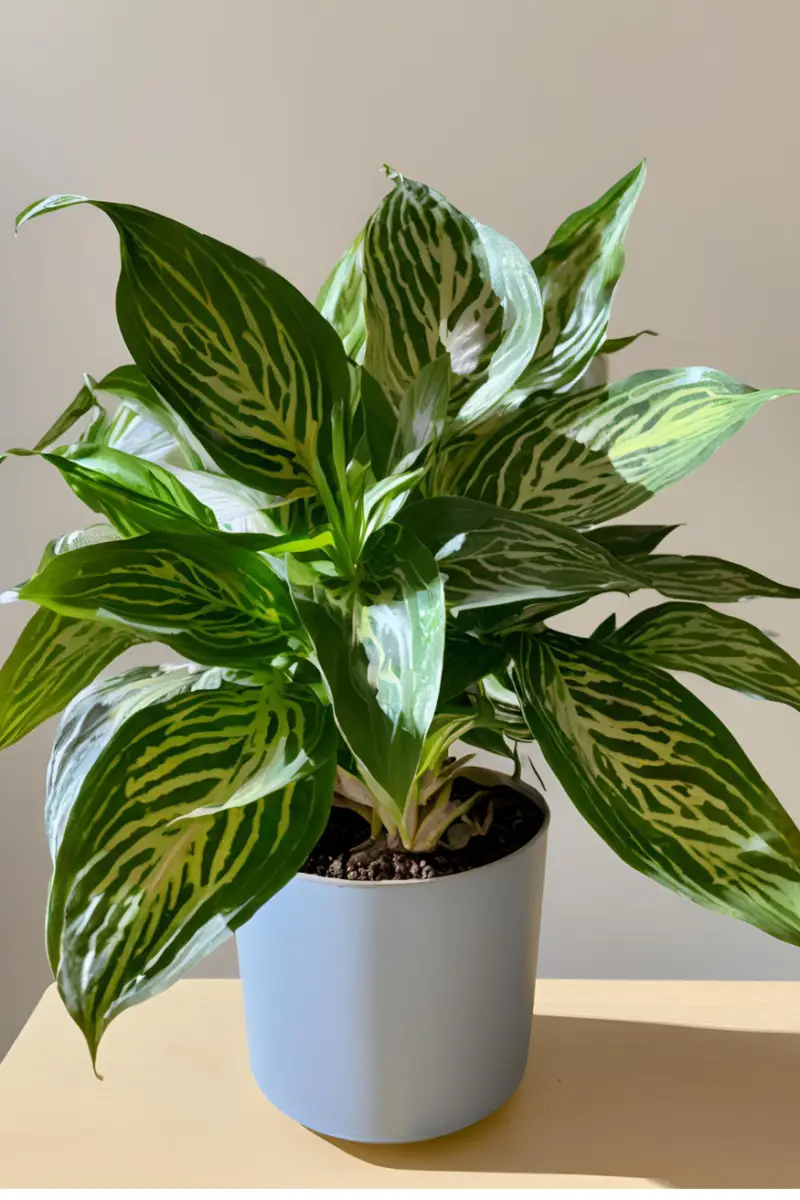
630,1084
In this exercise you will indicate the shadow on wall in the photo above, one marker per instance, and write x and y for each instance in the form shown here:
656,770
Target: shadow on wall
674,1105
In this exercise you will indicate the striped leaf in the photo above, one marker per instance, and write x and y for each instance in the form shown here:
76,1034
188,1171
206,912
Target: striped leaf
435,279
380,651
592,456
54,658
246,361
577,274
723,649
198,809
146,427
701,577
489,556
214,603
341,299
662,781
136,496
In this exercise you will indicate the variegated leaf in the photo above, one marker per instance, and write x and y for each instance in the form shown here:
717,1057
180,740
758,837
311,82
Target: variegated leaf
215,603
53,659
489,556
662,781
595,455
577,274
437,279
136,496
421,414
246,361
723,649
198,809
341,299
701,577
379,649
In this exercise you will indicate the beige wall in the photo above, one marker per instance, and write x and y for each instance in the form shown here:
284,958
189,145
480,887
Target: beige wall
265,123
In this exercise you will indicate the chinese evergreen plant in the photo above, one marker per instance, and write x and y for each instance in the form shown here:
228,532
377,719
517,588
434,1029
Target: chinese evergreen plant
354,521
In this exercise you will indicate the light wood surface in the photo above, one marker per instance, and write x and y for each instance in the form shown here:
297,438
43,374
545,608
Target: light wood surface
631,1083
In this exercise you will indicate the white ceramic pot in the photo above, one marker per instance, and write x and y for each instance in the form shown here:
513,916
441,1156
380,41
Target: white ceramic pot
395,1011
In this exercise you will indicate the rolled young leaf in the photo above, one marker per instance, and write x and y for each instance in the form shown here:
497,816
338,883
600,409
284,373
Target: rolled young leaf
341,299
85,402
198,809
489,556
246,361
661,779
702,577
577,274
54,658
590,457
435,279
214,603
379,648
723,649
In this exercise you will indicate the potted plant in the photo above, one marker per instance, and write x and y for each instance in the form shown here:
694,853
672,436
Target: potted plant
354,522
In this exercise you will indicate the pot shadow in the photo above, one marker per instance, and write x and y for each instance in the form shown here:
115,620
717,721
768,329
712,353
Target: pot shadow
676,1105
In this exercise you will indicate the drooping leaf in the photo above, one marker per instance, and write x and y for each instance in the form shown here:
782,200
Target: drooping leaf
577,274
701,577
54,658
379,649
246,361
435,279
595,455
136,496
662,781
488,555
198,809
723,649
215,603
341,299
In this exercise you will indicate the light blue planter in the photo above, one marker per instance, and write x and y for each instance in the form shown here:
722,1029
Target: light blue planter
394,1012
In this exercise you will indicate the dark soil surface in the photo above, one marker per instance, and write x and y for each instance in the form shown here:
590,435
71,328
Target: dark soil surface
515,821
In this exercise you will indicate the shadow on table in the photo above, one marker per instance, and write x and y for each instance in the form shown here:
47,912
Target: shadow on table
672,1104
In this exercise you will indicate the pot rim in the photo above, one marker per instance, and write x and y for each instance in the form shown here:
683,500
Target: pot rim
506,781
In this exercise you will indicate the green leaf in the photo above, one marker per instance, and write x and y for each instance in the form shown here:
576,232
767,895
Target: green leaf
701,577
488,555
246,361
379,649
211,601
435,279
341,299
85,402
614,345
627,541
592,456
421,414
53,659
198,809
662,781
136,496
577,274
466,661
723,649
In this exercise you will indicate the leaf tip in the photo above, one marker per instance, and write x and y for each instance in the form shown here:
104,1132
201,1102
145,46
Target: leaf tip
48,204
395,176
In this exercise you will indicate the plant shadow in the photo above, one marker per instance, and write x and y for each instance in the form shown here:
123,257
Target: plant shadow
677,1105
